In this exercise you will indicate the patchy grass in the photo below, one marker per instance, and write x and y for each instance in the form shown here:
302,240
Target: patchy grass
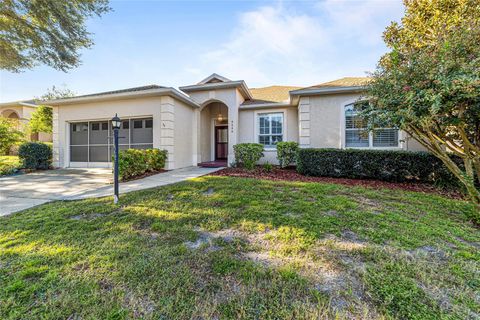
9,164
228,248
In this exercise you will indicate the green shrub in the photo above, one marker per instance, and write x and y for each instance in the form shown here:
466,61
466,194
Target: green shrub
9,165
135,162
267,167
35,155
287,153
10,134
156,159
248,154
386,165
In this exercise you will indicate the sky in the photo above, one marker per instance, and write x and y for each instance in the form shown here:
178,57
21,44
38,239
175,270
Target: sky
176,43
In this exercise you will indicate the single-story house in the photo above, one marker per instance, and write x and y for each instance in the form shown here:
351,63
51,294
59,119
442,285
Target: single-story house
22,111
201,123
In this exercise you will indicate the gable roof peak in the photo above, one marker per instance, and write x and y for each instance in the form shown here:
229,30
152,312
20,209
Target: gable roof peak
214,78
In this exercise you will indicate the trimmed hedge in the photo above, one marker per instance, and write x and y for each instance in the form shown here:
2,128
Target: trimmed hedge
135,162
248,154
35,155
386,165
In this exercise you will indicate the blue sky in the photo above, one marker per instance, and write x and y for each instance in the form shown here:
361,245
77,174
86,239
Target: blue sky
175,43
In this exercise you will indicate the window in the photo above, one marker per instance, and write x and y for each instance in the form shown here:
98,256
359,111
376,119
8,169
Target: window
357,134
91,142
137,124
79,127
385,138
270,129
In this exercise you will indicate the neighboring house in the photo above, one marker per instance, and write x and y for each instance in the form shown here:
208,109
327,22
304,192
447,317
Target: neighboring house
201,123
22,111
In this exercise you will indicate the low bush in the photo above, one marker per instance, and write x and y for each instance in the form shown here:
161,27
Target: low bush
135,162
287,153
386,165
248,154
9,165
11,135
267,167
35,155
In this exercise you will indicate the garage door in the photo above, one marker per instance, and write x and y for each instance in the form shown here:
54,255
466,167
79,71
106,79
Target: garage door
91,142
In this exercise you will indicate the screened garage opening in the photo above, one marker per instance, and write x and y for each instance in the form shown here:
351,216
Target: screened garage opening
91,142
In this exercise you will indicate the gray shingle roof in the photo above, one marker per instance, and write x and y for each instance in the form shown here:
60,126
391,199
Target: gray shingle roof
272,93
134,89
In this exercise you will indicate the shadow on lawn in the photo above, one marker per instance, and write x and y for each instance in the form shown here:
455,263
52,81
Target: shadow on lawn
131,261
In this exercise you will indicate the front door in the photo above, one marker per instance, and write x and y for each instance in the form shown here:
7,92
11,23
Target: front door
221,142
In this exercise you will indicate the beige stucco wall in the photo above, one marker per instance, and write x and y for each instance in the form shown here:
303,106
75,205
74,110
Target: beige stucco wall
204,136
44,137
102,110
412,144
322,123
326,119
184,135
27,112
248,128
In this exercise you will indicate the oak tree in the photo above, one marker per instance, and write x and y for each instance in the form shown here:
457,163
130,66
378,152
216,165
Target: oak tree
51,32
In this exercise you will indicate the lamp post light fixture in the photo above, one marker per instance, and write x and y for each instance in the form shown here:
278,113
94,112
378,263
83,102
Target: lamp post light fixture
115,125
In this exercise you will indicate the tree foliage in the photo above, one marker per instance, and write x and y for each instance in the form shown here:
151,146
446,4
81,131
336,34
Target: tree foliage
429,83
42,118
45,31
57,93
10,134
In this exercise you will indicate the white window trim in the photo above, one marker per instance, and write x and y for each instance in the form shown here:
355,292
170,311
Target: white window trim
400,144
257,125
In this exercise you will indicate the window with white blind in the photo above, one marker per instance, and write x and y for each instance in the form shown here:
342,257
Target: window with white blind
270,129
357,134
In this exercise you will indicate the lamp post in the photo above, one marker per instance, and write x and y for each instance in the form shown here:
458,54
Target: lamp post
115,125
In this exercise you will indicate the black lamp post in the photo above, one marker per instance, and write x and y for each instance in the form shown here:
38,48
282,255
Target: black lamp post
115,125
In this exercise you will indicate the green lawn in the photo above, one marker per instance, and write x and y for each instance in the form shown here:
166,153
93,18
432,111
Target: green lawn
228,248
8,164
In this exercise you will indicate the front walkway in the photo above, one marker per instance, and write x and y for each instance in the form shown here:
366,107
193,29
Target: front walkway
25,191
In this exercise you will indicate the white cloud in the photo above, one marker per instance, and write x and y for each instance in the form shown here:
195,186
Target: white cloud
280,45
361,20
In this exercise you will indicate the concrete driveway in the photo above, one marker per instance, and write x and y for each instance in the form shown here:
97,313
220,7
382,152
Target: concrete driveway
25,191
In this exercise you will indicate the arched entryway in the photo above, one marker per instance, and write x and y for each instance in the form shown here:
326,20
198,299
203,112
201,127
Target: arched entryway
10,114
214,133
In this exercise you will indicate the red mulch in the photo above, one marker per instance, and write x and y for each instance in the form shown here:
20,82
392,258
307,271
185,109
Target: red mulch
278,174
146,174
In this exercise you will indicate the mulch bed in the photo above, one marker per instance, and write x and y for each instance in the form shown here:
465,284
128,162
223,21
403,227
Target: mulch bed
146,174
290,174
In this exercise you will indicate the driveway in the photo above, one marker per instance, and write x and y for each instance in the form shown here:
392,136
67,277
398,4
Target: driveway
25,191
